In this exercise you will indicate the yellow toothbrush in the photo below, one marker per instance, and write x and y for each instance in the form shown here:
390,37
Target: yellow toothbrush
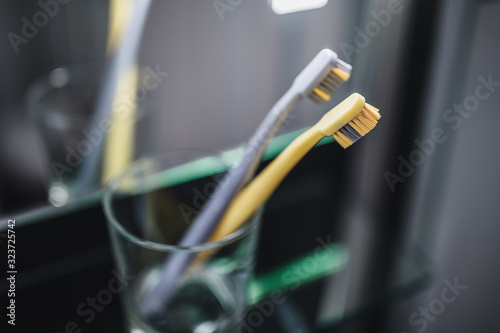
347,123
119,144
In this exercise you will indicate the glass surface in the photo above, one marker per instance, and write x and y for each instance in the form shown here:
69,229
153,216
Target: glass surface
62,105
148,208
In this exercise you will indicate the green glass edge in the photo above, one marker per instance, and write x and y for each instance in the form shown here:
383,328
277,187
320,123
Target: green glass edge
205,167
312,266
279,143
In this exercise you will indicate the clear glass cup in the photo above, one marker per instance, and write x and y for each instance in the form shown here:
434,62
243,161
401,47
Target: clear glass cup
74,137
148,208
62,104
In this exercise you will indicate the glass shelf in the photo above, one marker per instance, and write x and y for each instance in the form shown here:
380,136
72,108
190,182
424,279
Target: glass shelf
47,211
413,274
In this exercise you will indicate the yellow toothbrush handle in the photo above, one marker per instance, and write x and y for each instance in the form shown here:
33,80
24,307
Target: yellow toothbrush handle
119,13
260,189
118,151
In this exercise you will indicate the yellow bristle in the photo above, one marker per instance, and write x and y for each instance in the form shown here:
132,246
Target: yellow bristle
322,94
361,118
341,74
371,111
369,123
359,124
340,141
366,123
358,128
363,123
344,140
369,117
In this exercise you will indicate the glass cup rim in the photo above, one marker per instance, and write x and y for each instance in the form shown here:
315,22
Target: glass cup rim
77,73
114,223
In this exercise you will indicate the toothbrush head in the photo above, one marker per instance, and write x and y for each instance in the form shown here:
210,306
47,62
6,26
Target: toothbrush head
363,123
331,83
349,121
323,76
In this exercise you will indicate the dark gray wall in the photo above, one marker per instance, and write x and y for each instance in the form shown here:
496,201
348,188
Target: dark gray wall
464,242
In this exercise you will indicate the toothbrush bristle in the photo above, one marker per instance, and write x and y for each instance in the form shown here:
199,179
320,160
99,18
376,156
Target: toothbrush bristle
345,68
331,83
363,123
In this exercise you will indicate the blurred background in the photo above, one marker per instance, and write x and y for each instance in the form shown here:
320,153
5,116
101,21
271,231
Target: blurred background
415,202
